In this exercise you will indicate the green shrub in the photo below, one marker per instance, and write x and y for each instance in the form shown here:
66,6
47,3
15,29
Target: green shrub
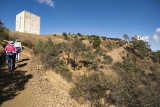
120,44
138,89
154,56
89,38
94,65
107,59
27,43
109,45
95,37
89,57
48,53
82,38
102,67
98,50
141,46
3,32
65,73
65,35
96,43
49,56
104,38
54,35
79,34
38,48
92,88
118,39
68,39
62,62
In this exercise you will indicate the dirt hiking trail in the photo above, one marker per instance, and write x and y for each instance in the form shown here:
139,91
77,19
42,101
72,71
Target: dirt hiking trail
31,86
117,54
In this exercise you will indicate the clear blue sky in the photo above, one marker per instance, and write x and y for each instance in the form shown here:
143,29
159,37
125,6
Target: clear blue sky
110,18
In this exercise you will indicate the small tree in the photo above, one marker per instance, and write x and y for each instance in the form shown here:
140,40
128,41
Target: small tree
66,47
158,57
126,37
95,37
3,32
89,57
104,38
92,88
96,43
109,45
77,46
141,46
48,53
79,34
65,35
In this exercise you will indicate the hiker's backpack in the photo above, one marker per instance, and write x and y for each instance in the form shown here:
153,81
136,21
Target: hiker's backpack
18,49
10,53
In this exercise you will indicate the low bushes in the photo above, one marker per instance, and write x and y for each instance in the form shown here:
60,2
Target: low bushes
96,43
49,56
109,45
65,35
104,38
27,43
90,60
64,71
134,88
107,59
131,88
54,35
92,88
3,32
47,52
118,39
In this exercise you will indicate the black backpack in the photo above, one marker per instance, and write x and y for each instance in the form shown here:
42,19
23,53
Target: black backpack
18,49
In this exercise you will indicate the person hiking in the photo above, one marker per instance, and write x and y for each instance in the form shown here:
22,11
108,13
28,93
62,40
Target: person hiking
11,55
18,46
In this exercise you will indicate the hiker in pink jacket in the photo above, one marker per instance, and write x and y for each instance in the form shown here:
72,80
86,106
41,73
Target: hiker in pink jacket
11,55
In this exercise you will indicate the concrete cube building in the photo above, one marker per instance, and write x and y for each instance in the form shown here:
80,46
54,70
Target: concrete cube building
28,23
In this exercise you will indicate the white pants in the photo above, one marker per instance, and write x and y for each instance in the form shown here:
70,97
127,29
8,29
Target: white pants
18,56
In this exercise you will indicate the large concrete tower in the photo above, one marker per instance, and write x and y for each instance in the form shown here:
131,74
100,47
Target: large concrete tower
28,23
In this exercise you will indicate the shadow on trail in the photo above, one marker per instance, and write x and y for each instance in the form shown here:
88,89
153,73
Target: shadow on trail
24,60
12,83
22,65
2,59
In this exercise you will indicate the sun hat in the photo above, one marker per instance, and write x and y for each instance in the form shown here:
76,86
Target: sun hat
17,40
11,43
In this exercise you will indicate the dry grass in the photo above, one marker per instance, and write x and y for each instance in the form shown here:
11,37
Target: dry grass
35,38
116,53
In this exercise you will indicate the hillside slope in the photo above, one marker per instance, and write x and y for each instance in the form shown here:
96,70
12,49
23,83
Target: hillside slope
46,66
35,38
32,86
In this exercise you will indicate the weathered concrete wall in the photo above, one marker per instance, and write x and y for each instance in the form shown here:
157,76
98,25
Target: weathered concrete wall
20,22
31,23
